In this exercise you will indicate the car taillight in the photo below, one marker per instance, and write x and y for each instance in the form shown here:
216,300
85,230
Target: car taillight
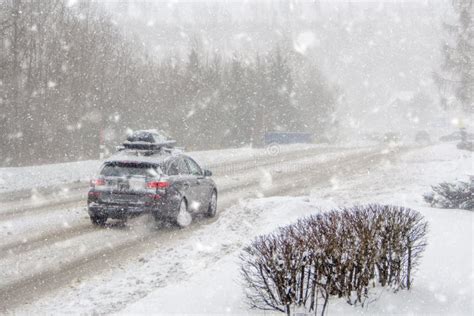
94,194
157,184
97,182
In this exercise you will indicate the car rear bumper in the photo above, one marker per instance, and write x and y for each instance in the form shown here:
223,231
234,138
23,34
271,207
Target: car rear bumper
124,211
117,211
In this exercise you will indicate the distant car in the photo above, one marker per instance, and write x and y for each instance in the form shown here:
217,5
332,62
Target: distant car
422,137
150,177
391,137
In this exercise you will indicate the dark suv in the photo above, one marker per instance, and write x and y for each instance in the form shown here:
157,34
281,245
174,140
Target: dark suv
157,180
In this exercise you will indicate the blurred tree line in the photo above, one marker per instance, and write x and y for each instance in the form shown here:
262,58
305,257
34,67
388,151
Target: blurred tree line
455,79
67,74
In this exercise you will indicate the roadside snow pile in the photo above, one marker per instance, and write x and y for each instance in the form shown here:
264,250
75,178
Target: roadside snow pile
458,195
14,179
342,253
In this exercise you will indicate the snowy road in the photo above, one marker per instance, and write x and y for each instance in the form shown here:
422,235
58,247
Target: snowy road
50,185
49,247
51,216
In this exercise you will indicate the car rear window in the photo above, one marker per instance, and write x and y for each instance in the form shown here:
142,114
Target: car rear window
130,169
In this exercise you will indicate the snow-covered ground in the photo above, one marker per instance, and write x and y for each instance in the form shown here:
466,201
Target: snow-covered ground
198,271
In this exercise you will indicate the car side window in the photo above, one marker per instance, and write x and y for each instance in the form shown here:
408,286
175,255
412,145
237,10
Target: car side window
173,169
193,167
182,167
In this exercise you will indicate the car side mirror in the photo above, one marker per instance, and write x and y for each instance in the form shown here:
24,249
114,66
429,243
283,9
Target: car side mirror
207,173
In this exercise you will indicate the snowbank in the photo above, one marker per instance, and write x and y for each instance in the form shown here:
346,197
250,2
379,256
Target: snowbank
13,179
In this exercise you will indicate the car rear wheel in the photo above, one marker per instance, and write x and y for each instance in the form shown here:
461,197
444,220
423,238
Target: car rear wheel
184,218
212,209
98,220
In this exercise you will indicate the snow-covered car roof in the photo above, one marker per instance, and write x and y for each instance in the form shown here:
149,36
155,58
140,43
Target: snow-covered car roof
140,157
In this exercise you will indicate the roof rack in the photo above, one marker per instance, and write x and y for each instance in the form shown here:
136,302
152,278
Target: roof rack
142,145
148,149
148,142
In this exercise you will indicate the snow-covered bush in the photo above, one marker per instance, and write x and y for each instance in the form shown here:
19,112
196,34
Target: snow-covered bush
465,145
459,194
274,267
341,253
